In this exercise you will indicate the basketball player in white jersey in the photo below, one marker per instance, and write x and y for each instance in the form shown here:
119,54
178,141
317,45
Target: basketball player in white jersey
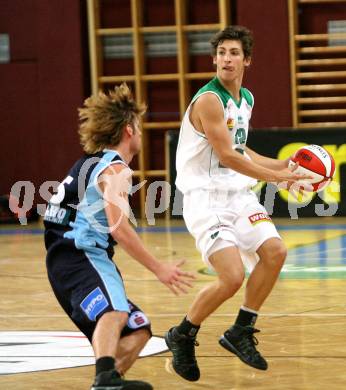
215,172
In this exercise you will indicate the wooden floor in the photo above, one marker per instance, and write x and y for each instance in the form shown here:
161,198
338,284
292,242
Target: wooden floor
303,322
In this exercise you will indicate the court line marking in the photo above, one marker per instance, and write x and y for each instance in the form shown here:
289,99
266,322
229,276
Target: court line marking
182,229
180,314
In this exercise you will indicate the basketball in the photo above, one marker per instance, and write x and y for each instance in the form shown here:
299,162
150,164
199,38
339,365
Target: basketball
315,161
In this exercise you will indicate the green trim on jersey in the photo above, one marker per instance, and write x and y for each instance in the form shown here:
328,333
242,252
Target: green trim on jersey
215,86
247,95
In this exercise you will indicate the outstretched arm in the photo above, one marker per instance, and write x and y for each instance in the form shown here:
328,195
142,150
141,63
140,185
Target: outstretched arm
114,185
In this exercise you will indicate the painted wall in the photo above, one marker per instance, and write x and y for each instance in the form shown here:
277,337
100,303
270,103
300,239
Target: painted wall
269,75
40,89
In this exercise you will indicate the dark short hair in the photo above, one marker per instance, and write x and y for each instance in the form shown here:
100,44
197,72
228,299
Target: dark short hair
234,33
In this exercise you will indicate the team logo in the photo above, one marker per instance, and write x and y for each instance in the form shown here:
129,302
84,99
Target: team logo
40,351
230,123
259,217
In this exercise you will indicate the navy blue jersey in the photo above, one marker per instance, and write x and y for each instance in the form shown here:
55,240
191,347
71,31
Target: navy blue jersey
81,271
63,207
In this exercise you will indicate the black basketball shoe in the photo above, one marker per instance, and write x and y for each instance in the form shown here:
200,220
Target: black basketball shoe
111,380
241,341
183,350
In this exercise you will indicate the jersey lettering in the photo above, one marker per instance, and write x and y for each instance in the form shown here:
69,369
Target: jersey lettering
240,136
57,214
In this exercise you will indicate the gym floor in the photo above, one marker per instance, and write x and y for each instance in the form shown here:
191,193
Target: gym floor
302,322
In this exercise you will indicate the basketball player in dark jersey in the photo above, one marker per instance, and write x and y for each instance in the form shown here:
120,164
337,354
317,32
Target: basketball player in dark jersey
84,220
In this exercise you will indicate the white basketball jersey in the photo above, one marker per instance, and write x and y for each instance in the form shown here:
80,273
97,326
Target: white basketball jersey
197,164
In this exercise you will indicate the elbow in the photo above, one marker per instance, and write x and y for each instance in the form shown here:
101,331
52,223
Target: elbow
118,236
224,161
118,233
229,160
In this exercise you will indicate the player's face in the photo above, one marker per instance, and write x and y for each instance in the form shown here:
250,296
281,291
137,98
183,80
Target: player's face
230,61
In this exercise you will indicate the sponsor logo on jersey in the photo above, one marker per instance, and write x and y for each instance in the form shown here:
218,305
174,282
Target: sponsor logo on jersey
230,123
41,350
259,217
137,319
57,214
240,120
94,303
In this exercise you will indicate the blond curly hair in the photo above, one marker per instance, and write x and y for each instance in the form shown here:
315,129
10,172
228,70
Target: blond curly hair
104,116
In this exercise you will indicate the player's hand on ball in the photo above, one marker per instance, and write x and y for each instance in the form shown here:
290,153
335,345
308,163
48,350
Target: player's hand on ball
174,277
287,176
296,185
296,189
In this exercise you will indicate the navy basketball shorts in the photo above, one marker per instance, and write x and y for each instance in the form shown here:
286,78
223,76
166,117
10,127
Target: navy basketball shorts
87,285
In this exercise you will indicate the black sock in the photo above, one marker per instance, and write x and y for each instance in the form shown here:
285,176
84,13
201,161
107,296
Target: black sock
246,318
105,363
187,328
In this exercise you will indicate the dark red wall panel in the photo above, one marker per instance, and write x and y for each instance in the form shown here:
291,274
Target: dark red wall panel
60,82
313,18
18,18
269,75
41,88
19,124
112,15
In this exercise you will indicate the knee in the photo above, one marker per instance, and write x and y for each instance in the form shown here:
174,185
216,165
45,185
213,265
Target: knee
280,253
229,285
144,335
122,317
116,317
275,255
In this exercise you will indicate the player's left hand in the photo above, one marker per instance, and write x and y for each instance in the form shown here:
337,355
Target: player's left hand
296,189
174,277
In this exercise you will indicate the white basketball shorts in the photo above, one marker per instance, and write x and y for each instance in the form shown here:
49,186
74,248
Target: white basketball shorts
219,219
